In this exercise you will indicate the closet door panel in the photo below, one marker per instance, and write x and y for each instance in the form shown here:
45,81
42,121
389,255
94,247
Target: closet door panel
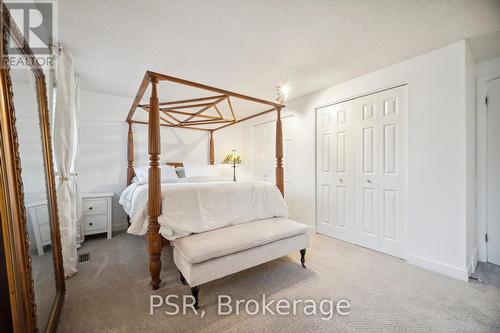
324,170
392,171
367,155
335,171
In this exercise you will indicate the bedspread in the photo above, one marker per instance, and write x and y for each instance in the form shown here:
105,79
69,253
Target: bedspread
199,204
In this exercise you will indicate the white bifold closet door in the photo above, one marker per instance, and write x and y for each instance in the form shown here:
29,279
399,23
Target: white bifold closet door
335,171
361,171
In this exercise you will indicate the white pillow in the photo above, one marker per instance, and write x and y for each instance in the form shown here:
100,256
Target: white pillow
141,173
200,170
167,172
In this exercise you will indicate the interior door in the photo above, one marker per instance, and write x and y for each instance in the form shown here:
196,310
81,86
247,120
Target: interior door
493,172
380,143
367,156
264,157
392,171
263,152
291,196
335,171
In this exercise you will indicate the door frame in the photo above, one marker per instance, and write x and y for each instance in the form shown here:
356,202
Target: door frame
405,182
482,161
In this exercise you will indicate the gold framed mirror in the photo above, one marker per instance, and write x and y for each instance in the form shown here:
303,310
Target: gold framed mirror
28,206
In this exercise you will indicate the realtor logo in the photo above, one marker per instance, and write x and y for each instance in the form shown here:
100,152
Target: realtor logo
36,21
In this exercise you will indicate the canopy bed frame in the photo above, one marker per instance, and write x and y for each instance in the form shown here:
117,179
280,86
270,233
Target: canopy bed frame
198,114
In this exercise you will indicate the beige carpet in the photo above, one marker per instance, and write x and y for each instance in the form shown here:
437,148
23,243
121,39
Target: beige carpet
111,293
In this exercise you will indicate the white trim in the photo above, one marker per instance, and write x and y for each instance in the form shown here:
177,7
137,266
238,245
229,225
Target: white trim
482,142
342,100
451,271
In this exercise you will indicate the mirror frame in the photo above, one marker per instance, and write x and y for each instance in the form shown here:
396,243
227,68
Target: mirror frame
12,209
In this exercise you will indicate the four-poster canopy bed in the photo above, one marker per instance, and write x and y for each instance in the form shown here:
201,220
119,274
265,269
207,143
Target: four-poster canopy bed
201,114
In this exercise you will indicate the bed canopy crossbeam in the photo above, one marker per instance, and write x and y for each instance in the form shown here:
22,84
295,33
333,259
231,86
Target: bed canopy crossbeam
163,114
183,104
207,103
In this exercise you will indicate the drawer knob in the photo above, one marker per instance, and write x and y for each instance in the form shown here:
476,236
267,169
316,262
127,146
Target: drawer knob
91,223
90,208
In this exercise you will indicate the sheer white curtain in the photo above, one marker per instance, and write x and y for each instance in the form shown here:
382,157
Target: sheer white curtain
77,200
65,150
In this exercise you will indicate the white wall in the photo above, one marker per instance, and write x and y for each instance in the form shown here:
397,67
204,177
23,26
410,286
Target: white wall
225,141
103,147
490,66
436,152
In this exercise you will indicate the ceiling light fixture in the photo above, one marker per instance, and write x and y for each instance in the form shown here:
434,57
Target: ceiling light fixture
283,92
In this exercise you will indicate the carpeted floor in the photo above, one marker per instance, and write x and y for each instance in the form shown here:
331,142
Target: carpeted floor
111,293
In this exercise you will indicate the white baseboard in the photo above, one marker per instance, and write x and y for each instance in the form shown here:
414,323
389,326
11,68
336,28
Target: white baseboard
471,268
119,227
451,271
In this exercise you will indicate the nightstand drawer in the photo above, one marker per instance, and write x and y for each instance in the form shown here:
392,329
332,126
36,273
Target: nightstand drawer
45,232
94,206
94,222
42,214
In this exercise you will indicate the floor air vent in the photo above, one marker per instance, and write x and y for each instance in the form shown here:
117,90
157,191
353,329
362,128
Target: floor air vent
84,257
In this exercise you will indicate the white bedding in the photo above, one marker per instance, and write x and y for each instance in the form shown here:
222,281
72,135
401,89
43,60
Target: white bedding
198,204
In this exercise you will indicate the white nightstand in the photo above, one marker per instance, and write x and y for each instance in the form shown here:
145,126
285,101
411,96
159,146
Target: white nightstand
97,213
38,214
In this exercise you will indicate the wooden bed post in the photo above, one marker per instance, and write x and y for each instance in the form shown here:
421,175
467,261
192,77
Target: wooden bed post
212,149
279,153
130,155
154,187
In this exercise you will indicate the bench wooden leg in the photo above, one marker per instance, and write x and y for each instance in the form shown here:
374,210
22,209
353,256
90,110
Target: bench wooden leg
195,291
183,279
303,257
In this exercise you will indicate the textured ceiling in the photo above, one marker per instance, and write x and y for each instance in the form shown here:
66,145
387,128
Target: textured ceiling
250,46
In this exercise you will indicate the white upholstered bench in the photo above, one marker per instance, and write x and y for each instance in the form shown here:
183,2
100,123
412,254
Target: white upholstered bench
210,255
